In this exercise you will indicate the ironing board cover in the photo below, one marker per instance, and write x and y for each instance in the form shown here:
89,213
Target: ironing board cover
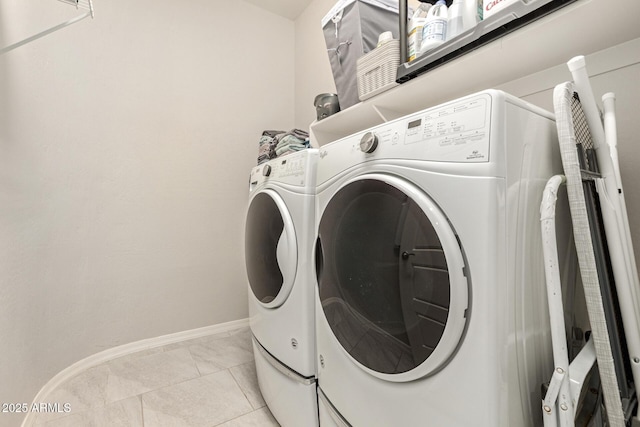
563,98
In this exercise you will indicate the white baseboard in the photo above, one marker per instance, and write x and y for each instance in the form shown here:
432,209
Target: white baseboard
123,350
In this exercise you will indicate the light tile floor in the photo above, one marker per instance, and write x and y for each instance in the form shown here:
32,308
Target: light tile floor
203,382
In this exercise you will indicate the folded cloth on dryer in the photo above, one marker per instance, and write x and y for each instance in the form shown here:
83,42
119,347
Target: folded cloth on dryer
294,140
265,152
299,133
296,133
290,149
287,147
267,145
272,133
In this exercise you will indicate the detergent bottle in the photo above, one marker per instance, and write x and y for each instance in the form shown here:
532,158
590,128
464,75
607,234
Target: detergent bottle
415,29
434,32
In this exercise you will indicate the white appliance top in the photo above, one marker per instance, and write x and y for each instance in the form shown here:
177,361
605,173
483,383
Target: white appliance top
468,131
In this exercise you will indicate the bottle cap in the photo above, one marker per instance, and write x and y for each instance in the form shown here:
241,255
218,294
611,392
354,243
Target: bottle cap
384,37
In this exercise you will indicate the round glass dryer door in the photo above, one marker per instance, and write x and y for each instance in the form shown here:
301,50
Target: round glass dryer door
391,278
271,253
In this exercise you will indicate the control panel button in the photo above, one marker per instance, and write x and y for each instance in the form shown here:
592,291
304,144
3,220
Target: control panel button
266,170
369,142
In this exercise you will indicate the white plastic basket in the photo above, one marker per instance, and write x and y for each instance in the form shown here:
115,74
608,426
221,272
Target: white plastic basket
376,71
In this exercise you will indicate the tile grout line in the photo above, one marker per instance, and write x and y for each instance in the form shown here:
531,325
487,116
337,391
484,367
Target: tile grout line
240,387
141,408
239,416
212,373
195,362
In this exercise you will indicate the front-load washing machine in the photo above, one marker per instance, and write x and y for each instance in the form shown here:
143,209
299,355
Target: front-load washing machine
431,303
279,239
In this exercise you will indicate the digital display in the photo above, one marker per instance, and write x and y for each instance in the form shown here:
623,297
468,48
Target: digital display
414,124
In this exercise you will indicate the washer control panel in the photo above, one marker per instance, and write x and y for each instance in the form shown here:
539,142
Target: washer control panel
292,169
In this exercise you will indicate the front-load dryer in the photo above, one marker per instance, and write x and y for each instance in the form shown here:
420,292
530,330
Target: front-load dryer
431,303
279,239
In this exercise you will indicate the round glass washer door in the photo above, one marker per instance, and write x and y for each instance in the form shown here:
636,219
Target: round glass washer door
391,278
271,253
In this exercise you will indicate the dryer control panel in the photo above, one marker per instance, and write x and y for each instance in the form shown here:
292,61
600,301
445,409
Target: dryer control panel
458,131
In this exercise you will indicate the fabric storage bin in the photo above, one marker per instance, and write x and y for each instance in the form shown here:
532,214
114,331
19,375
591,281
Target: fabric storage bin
351,29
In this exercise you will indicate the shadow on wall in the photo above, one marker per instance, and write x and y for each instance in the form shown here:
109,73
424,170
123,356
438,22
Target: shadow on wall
7,240
6,299
4,83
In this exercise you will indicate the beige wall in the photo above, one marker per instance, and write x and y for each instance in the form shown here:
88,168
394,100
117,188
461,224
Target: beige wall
125,147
